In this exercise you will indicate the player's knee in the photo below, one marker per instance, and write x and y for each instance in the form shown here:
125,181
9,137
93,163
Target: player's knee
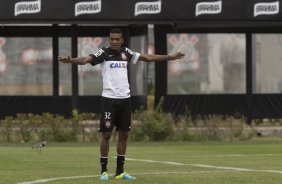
123,135
106,136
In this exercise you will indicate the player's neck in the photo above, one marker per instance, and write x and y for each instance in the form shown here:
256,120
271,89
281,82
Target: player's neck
116,50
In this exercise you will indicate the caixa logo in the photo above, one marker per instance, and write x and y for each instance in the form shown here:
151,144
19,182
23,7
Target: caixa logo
118,65
269,8
27,7
208,8
148,7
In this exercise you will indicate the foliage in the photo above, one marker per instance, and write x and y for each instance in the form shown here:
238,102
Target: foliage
79,123
148,125
156,125
152,126
25,127
47,126
6,128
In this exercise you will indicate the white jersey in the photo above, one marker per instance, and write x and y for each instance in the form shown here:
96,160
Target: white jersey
114,70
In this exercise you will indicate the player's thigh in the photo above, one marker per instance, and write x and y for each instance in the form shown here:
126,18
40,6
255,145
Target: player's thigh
124,119
107,115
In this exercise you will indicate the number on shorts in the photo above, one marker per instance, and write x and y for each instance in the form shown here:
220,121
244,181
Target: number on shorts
107,115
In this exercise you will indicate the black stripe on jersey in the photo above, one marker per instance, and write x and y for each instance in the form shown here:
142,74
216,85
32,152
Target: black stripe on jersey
108,54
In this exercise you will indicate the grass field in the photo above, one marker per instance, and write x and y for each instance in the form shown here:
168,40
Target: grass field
152,163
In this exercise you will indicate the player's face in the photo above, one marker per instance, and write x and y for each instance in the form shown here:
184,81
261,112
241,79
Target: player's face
116,40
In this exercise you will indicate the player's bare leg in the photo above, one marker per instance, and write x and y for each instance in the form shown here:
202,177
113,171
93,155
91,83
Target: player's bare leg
122,142
104,145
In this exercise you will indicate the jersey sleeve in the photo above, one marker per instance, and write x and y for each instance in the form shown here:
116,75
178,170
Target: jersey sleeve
98,57
134,56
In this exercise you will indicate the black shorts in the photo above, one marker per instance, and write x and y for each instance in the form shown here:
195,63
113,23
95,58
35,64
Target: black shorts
115,113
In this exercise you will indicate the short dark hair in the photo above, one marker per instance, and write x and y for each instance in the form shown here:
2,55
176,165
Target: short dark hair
117,30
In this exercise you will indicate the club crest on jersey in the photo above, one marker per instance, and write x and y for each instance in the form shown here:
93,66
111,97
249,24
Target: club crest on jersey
107,123
123,56
118,65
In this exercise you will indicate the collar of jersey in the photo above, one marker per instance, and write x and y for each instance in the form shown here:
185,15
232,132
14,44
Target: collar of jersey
114,52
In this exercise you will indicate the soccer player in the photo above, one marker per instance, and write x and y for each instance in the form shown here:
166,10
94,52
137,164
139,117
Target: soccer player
116,103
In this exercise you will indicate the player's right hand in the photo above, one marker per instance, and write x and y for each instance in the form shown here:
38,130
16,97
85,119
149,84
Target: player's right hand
64,59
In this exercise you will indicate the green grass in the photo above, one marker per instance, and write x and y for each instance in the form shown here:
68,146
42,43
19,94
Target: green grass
20,163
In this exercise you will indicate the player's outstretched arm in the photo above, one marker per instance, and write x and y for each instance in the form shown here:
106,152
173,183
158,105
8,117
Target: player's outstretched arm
79,60
153,57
